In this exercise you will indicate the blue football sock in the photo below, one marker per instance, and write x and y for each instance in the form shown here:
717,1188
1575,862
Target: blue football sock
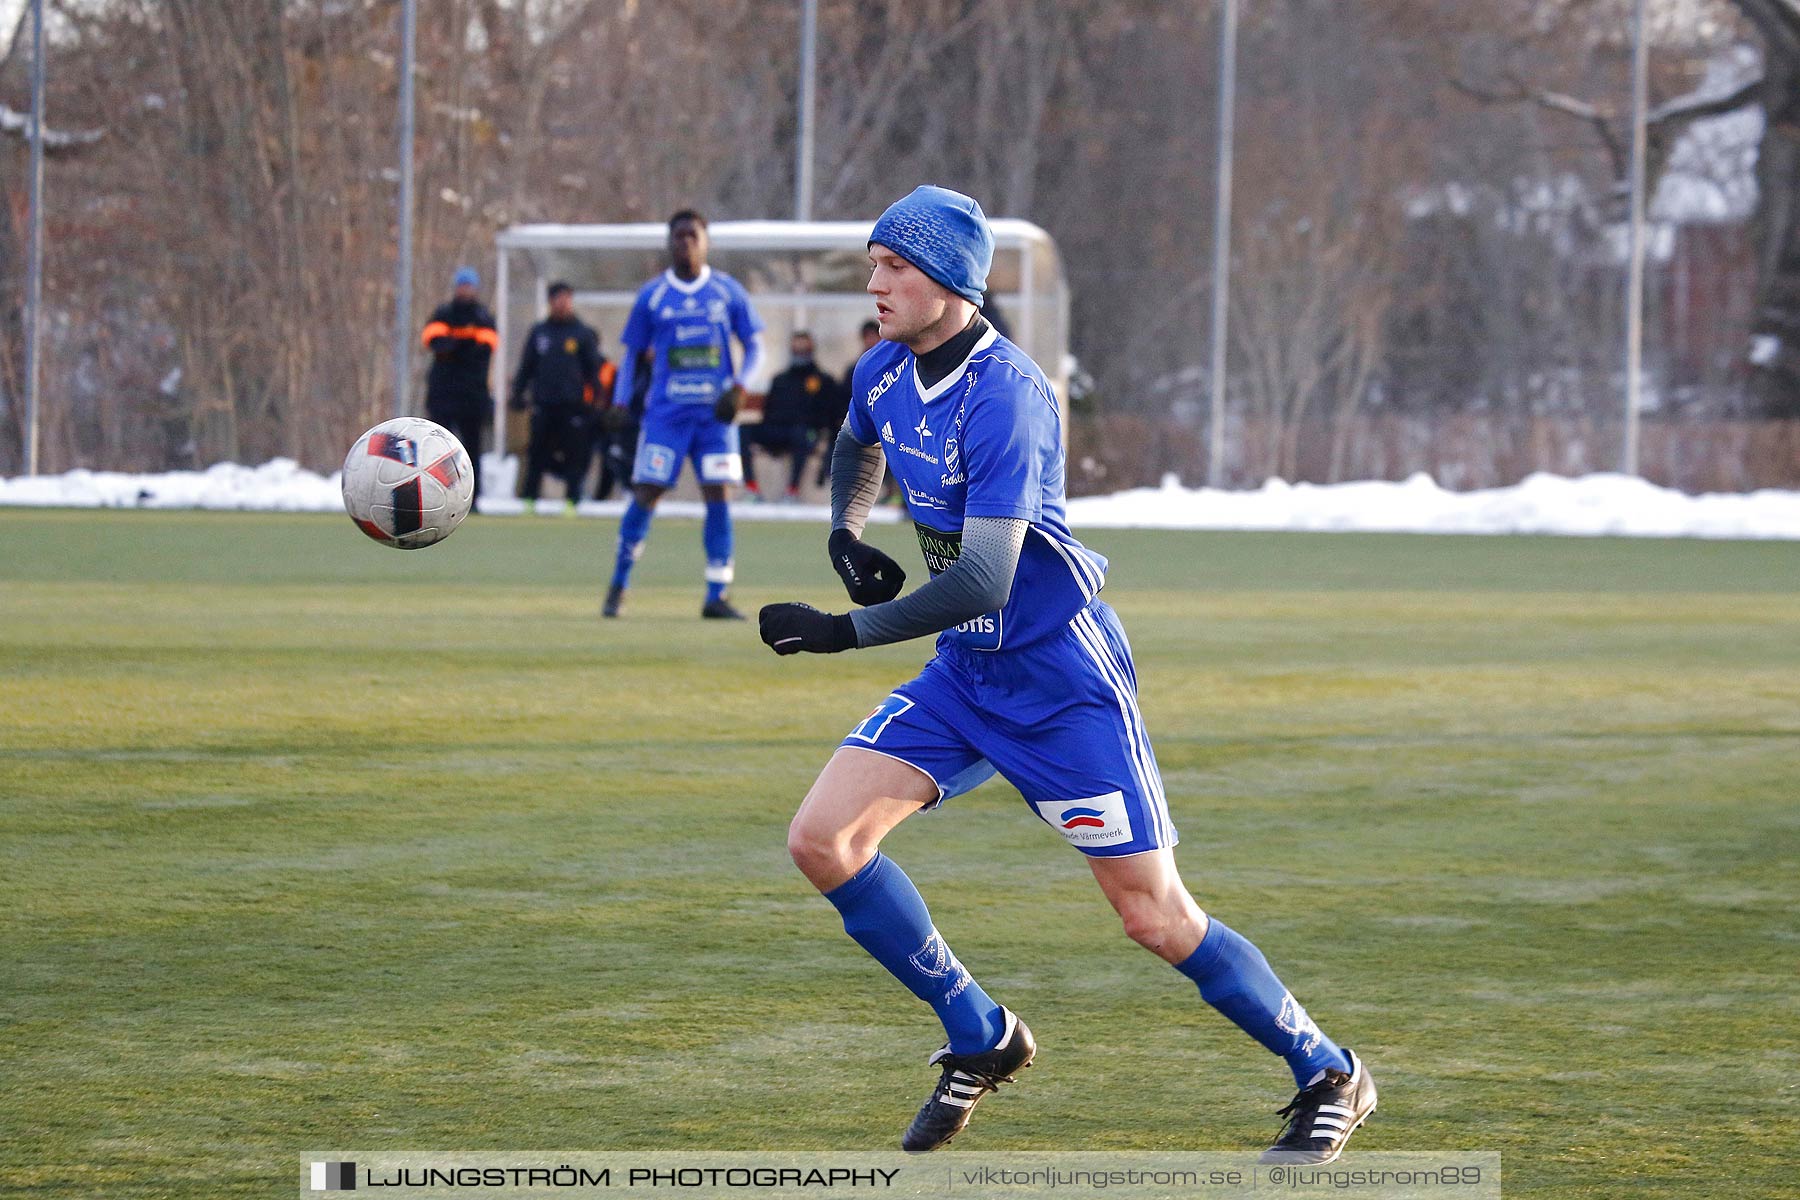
634,527
886,915
716,537
1235,978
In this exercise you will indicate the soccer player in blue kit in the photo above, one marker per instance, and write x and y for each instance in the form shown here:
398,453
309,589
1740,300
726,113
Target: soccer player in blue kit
685,318
1032,679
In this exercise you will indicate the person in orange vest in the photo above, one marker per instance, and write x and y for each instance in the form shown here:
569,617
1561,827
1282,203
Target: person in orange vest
462,340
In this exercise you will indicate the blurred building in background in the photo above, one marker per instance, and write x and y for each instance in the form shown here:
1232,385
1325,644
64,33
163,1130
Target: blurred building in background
1428,265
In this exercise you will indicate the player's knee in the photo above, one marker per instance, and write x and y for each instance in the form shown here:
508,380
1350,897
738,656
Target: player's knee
821,853
1148,922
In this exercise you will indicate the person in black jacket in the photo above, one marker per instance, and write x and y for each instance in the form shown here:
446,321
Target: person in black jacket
799,399
561,367
462,340
617,437
833,419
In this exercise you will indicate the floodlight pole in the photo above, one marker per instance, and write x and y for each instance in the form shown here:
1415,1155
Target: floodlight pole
803,166
403,272
1215,448
1634,299
34,254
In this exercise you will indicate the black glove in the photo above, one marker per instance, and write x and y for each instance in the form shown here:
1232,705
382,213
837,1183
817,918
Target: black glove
725,408
791,628
870,576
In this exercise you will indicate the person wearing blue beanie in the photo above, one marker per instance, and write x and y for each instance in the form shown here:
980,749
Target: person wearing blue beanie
1032,680
944,234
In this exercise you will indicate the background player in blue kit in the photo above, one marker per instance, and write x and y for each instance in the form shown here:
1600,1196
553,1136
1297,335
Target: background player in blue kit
686,318
1033,678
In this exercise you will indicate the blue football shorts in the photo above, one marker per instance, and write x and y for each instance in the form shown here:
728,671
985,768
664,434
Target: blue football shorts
674,432
1057,719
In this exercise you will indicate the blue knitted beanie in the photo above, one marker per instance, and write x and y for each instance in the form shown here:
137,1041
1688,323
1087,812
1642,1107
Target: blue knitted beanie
944,234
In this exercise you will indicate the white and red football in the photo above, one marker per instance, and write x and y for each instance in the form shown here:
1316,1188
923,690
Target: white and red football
408,483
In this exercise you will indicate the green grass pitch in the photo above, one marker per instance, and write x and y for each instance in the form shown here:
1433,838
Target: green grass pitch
308,843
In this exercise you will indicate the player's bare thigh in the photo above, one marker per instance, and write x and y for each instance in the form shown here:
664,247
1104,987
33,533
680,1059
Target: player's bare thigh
1158,912
856,800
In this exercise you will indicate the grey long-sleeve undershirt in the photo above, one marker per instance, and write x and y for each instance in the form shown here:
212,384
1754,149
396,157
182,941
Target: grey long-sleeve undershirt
979,581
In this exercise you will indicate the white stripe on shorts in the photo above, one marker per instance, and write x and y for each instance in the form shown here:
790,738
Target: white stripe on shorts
1136,736
1157,800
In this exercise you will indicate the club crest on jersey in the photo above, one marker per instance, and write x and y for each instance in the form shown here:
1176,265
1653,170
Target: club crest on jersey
953,474
1088,820
715,311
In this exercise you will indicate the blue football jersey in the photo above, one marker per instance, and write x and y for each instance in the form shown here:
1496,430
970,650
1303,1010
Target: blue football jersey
985,442
688,327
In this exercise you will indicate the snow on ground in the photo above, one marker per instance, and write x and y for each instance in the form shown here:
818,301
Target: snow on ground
1594,505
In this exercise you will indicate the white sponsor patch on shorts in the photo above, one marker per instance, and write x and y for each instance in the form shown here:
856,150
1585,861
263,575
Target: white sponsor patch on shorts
721,468
1090,821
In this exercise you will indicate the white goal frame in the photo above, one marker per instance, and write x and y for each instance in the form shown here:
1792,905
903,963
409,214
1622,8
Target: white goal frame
800,275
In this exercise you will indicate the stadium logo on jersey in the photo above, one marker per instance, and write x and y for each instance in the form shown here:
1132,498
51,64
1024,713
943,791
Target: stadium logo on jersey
1088,820
921,428
887,380
887,433
689,304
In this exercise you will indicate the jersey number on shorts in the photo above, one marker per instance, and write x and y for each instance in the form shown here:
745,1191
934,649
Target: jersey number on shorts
875,722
